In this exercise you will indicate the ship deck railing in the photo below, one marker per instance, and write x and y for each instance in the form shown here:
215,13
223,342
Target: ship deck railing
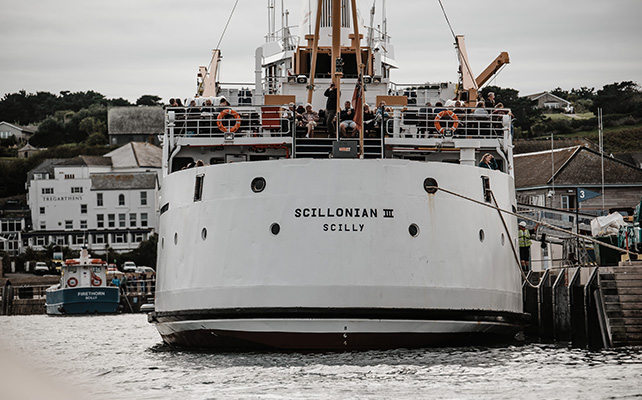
409,122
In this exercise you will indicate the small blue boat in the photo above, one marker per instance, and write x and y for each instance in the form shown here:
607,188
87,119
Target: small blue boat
82,288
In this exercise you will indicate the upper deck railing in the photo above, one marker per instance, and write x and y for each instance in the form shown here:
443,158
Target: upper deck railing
392,122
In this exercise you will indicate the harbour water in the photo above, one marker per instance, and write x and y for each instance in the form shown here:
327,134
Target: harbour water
122,357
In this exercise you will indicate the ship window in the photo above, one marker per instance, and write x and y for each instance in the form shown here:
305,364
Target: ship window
204,233
430,185
275,228
258,184
198,187
482,235
176,238
488,194
413,229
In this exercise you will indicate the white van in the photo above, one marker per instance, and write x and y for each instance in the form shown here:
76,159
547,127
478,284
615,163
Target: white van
129,266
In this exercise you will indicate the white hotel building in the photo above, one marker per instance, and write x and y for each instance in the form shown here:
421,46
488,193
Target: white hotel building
105,201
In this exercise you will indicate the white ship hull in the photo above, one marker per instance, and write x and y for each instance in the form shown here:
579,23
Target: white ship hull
344,270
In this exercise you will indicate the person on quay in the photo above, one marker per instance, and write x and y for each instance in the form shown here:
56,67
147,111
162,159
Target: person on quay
524,237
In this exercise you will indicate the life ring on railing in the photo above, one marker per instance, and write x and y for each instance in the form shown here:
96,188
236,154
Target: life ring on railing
72,282
95,280
452,116
221,118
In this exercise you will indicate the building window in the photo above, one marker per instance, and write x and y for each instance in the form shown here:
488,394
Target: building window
139,237
42,210
121,220
132,219
100,220
79,239
143,219
111,220
47,191
43,225
11,226
69,224
60,240
83,224
40,240
83,208
119,238
566,203
121,199
99,238
76,190
99,199
70,176
143,198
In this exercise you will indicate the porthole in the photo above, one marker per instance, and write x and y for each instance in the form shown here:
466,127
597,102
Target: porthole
176,238
275,228
163,242
204,233
503,239
413,229
482,235
258,184
430,185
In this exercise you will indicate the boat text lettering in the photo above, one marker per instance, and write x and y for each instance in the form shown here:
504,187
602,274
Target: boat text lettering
343,227
355,212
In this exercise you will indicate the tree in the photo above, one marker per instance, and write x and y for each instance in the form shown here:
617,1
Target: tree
149,100
619,98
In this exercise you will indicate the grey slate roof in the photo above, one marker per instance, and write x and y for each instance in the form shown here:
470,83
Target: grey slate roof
136,154
143,180
136,120
573,166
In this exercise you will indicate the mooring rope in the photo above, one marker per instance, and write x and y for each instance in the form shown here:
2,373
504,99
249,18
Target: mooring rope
545,224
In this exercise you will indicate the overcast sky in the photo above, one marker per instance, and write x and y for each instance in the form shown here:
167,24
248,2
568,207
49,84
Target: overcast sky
128,48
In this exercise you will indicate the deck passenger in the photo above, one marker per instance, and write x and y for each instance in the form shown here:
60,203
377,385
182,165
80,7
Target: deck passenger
347,126
310,119
490,101
368,121
488,161
330,107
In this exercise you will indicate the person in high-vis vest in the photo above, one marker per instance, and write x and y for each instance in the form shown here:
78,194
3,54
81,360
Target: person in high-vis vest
524,246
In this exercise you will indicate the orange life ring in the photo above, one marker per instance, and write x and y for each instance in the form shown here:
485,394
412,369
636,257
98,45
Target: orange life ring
72,282
452,115
221,117
95,261
95,280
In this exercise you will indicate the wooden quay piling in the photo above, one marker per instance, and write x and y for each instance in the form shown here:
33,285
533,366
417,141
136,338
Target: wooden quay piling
588,306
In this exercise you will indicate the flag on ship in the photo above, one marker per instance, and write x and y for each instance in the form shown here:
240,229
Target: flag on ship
357,103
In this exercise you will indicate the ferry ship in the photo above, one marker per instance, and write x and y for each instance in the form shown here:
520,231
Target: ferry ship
270,239
82,288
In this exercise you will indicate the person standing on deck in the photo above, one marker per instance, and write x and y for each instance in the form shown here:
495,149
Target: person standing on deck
331,108
524,246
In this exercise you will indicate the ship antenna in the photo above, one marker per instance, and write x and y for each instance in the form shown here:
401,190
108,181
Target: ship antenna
447,21
465,59
218,46
200,86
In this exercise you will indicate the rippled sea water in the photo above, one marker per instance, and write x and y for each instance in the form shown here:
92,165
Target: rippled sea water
122,357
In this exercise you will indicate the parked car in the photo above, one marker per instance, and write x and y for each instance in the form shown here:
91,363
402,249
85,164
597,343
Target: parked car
112,269
41,268
145,270
129,266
